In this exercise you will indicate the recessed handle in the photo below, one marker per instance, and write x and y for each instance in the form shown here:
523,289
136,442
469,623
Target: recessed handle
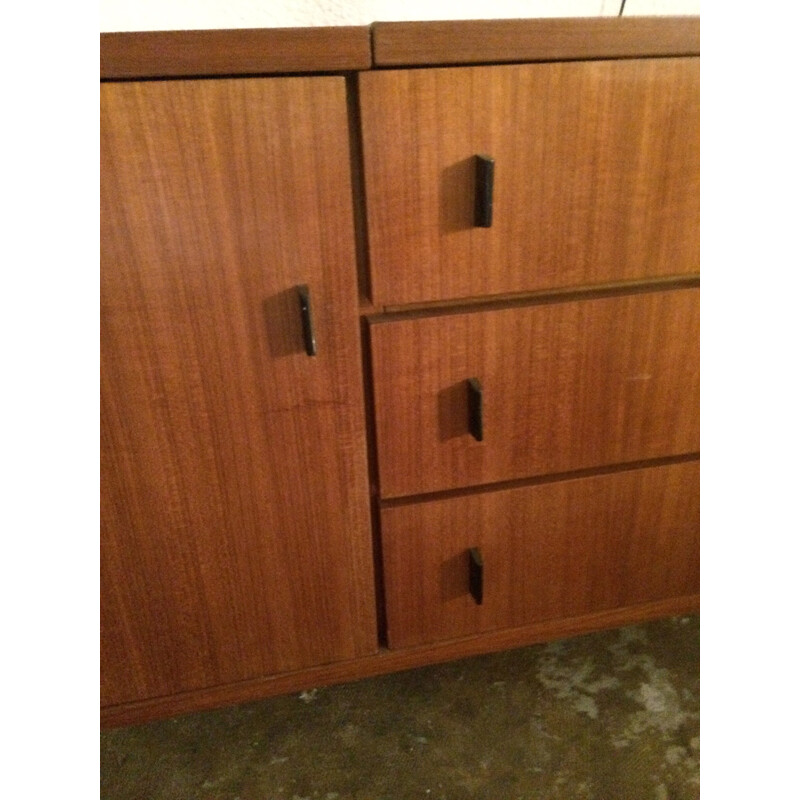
484,191
476,575
305,316
475,408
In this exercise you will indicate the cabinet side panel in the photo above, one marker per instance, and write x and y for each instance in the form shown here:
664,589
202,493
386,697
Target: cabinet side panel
235,516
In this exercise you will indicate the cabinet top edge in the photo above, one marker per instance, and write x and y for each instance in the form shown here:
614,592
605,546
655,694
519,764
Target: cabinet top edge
254,51
481,41
241,51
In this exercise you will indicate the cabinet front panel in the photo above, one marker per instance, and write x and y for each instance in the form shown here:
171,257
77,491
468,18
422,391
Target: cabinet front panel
596,176
564,386
550,551
234,500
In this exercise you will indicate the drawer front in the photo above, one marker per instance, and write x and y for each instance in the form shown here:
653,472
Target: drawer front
565,386
596,176
550,551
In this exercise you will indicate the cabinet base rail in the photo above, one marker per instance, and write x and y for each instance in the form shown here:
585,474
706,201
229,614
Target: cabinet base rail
386,661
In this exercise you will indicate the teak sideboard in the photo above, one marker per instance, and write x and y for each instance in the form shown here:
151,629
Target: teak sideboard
399,348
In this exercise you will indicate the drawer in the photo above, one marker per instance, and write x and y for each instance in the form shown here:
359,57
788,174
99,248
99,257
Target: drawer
596,176
549,551
564,386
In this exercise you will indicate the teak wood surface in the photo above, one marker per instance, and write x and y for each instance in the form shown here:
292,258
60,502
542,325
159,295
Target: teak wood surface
250,51
566,386
470,41
549,552
235,536
596,176
159,54
236,557
385,661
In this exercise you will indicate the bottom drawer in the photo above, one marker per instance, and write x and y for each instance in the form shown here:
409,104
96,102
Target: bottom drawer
548,551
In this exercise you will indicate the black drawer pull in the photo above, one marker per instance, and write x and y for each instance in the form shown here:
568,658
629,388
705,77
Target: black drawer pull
484,191
305,316
476,575
475,408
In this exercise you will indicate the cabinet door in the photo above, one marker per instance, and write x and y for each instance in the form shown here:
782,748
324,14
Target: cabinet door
596,176
564,386
548,552
235,536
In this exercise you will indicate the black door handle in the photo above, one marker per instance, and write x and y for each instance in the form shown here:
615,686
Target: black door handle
484,191
475,408
476,575
305,316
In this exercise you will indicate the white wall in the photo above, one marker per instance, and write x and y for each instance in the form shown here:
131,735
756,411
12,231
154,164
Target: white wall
152,15
661,7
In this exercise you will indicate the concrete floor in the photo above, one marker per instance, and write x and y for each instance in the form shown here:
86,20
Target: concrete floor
609,716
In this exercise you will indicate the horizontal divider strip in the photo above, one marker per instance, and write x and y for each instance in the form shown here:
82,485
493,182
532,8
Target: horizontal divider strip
538,480
521,62
496,302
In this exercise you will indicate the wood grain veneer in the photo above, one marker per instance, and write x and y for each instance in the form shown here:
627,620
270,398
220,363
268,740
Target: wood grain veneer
552,551
237,556
248,51
235,535
157,54
596,176
387,661
470,41
566,386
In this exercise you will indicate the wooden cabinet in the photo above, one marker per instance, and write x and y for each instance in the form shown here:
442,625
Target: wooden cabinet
344,428
235,515
596,176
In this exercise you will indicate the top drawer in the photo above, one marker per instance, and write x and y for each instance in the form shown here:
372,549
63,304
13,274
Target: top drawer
596,176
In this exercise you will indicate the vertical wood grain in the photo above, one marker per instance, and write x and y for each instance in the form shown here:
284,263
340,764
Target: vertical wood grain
566,386
235,515
596,176
549,551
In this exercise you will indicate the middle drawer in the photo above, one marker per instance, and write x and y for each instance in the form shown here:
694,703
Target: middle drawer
563,386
